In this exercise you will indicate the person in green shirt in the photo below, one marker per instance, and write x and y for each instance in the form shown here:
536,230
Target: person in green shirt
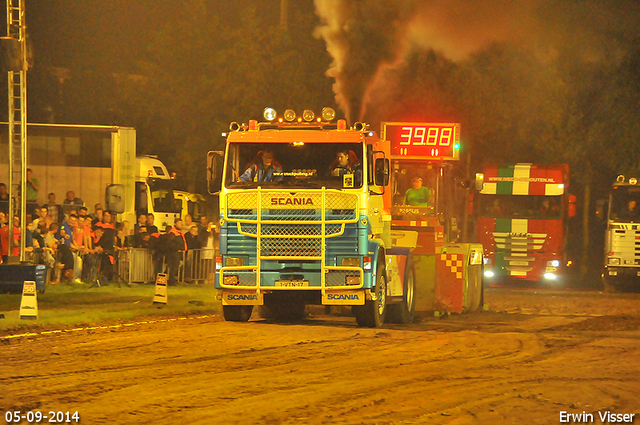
32,188
417,195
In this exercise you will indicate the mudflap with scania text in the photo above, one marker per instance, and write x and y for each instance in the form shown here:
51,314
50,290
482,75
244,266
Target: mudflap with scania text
242,298
343,297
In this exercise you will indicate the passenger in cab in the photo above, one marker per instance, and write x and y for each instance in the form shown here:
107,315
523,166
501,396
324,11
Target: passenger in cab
549,208
262,168
347,163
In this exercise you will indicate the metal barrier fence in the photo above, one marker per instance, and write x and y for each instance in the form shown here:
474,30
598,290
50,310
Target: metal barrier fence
198,266
137,265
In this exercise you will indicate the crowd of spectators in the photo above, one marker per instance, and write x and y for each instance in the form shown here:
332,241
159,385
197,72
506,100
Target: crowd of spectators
78,246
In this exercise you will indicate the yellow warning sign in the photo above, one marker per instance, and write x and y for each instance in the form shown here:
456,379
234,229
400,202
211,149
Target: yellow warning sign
160,294
29,302
455,265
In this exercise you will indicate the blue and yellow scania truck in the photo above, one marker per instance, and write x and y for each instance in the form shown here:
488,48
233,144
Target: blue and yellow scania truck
314,212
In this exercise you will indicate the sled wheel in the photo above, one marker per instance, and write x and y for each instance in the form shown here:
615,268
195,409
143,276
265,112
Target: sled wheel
405,312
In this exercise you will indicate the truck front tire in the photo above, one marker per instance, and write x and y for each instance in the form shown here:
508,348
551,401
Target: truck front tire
373,312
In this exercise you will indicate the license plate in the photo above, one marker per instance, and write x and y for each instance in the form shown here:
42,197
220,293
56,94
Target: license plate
518,263
292,283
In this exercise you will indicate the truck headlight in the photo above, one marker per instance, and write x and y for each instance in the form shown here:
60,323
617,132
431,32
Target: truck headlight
308,115
350,262
269,114
230,280
234,261
352,280
550,276
328,114
489,273
613,261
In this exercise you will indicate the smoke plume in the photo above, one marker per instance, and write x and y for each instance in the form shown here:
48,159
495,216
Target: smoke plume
368,37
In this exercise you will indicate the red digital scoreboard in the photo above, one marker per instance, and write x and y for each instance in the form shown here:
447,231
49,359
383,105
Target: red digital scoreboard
422,140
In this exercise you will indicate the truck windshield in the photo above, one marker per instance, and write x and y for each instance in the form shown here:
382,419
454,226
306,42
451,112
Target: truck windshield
624,205
162,195
297,164
521,206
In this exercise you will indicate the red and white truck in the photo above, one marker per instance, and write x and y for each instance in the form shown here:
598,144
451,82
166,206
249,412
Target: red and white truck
522,211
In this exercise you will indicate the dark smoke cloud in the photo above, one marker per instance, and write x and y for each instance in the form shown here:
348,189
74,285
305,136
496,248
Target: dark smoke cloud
366,38
361,36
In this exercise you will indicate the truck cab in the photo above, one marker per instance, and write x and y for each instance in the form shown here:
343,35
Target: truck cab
150,190
522,216
190,203
621,250
155,191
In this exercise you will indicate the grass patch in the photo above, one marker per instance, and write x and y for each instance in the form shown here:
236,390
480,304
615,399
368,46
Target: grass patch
74,305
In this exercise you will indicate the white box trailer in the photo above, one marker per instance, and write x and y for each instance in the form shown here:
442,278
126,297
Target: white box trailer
86,159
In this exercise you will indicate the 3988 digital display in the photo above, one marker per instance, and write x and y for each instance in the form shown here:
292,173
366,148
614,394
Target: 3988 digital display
422,140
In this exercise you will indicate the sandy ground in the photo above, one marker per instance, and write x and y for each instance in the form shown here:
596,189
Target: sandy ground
530,357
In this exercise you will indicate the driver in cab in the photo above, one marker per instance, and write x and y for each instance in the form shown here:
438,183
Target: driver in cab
417,195
262,168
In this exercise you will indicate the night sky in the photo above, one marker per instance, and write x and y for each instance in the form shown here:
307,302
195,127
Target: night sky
365,38
114,33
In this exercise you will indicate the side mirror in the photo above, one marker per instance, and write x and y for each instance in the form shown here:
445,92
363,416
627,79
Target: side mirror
571,210
215,160
382,172
479,181
601,209
114,198
370,167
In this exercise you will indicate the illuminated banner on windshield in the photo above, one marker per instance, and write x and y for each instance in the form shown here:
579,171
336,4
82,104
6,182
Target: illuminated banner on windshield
422,140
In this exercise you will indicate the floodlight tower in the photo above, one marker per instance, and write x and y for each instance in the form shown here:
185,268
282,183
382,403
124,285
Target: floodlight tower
17,85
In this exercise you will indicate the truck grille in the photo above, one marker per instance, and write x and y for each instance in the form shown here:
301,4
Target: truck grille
290,247
528,242
290,229
291,206
625,244
291,224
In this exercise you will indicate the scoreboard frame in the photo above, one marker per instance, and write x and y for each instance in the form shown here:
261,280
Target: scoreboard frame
416,140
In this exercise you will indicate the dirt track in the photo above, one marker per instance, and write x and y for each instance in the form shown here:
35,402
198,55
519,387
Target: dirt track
529,358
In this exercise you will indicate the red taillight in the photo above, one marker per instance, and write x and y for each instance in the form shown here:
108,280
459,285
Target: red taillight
253,125
218,262
342,124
